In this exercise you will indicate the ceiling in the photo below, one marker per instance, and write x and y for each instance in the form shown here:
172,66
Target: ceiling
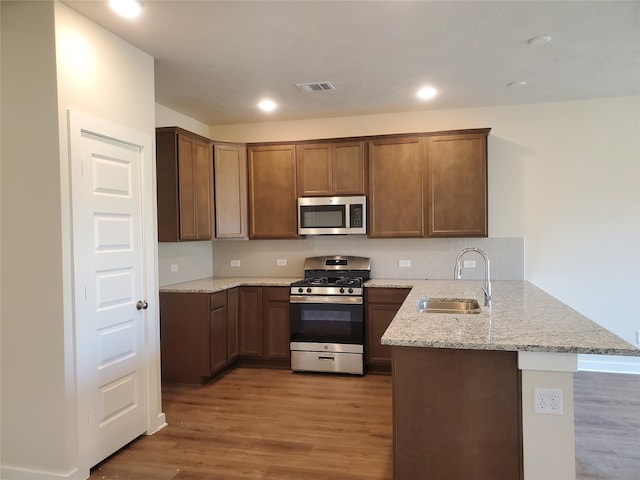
214,60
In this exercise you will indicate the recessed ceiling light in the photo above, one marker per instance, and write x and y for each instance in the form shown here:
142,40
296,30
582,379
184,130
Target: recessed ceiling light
518,84
126,8
426,93
267,105
539,40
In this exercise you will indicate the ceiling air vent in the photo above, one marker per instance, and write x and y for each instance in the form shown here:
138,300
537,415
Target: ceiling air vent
315,87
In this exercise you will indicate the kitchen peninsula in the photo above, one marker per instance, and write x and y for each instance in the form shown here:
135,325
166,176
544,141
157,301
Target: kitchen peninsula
464,384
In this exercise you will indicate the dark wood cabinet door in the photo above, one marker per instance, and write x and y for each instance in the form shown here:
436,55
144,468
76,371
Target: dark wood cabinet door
272,192
349,168
314,170
456,186
382,304
218,332
232,325
184,173
184,337
456,414
276,322
395,187
250,321
203,189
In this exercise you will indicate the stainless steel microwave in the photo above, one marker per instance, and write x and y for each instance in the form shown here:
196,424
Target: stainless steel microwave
332,215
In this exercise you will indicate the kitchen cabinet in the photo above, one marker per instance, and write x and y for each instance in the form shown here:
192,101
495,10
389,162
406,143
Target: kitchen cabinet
275,323
250,321
337,168
272,192
218,332
381,305
232,324
184,172
193,336
456,186
395,187
429,185
456,414
230,180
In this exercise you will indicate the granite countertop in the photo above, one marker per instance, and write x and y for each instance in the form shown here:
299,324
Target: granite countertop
522,317
218,284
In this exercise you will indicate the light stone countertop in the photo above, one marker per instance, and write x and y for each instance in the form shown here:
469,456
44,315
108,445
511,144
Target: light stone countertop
218,284
522,317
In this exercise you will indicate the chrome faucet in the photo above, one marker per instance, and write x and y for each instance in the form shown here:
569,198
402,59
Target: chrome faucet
457,273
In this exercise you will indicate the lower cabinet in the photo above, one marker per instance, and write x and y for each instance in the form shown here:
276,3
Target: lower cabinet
201,334
193,336
381,305
275,323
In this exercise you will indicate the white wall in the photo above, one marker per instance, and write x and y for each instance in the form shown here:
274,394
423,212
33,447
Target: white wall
52,60
564,176
34,375
192,259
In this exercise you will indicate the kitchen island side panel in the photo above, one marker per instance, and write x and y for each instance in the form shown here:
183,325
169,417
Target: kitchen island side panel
456,414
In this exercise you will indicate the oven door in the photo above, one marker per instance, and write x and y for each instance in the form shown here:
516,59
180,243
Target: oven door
326,319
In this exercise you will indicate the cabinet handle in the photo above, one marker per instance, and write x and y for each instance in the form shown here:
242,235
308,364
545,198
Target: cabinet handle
141,305
320,357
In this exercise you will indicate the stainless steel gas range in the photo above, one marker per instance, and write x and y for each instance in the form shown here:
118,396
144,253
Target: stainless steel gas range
327,315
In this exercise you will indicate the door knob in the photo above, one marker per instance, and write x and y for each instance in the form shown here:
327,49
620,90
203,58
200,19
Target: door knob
142,304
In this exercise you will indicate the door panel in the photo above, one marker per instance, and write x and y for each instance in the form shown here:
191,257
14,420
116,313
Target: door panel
109,280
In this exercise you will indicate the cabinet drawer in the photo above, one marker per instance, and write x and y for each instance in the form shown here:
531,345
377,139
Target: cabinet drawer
218,300
387,295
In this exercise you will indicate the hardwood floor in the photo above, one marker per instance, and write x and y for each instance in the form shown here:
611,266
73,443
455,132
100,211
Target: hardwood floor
260,424
266,425
607,426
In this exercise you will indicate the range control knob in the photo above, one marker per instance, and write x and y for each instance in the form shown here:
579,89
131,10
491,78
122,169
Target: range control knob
341,290
300,290
309,290
350,290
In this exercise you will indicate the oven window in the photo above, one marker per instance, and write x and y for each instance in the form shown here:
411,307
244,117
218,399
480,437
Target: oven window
322,216
326,323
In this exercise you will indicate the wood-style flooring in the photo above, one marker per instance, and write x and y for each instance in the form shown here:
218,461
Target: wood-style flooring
260,424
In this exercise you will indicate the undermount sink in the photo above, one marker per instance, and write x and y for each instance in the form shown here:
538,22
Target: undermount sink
448,305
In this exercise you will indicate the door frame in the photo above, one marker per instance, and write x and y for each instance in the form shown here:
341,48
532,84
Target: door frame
79,122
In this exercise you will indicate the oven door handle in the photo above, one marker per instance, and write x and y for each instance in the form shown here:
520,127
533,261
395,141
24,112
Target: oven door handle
325,299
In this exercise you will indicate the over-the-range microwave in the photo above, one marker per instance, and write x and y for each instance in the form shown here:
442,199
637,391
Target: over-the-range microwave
332,215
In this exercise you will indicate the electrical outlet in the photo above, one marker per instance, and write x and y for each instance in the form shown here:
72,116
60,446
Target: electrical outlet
404,263
174,267
638,337
235,263
469,264
281,262
547,401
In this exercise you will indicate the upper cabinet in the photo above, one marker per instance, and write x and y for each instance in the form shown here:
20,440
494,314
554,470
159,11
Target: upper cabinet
395,187
337,168
184,170
429,185
230,176
272,191
456,186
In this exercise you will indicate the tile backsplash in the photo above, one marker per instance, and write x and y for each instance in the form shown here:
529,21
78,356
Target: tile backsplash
427,258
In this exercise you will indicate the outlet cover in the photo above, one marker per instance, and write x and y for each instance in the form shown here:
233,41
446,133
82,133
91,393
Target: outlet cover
174,267
404,263
547,401
235,263
281,262
469,264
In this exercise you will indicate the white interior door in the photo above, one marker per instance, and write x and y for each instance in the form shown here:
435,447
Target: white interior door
109,280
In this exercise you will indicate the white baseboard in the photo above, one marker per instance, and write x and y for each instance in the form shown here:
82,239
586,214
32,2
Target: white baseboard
12,473
609,364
